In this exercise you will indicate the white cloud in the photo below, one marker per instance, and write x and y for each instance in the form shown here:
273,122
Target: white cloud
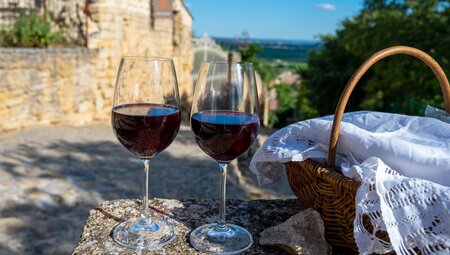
326,7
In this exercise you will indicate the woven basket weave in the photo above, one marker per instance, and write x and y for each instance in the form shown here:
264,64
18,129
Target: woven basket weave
324,188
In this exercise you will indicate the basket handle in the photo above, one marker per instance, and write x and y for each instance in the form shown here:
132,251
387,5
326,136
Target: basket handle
360,72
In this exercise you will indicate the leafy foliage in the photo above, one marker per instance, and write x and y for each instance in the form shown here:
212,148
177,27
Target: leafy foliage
266,70
249,51
305,109
287,94
397,84
30,30
327,73
287,104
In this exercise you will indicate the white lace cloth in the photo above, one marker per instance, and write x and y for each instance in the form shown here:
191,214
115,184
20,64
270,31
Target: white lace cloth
437,113
404,165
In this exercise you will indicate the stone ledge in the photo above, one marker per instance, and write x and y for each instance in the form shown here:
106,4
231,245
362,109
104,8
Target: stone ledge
186,215
40,51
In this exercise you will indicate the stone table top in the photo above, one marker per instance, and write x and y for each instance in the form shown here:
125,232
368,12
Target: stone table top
186,215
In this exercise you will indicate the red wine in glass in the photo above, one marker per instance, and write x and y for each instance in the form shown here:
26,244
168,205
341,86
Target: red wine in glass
224,121
145,117
145,129
224,135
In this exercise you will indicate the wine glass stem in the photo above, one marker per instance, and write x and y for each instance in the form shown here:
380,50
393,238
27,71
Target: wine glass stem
145,212
223,187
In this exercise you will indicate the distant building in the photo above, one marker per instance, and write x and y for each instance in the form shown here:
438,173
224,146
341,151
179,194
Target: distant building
287,77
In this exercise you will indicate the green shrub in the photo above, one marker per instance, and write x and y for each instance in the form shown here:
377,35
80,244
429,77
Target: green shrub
287,95
29,30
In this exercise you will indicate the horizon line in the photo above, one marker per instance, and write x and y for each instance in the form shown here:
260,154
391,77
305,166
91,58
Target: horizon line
256,39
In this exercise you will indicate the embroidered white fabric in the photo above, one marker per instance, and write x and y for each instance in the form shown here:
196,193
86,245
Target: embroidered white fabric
404,165
437,113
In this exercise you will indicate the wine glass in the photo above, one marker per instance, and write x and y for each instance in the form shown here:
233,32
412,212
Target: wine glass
145,120
225,122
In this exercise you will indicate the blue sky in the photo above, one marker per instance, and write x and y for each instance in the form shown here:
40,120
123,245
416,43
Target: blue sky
270,19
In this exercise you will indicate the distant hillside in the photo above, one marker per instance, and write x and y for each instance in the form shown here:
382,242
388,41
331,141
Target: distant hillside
287,50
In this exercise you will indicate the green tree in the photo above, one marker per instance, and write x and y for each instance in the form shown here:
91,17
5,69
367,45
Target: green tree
287,104
248,53
327,73
397,84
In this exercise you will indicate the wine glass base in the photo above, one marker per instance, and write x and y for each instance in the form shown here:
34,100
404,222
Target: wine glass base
135,234
213,239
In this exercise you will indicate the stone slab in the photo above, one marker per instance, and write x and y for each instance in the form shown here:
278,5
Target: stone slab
186,215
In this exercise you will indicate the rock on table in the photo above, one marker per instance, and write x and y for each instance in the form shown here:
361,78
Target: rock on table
186,215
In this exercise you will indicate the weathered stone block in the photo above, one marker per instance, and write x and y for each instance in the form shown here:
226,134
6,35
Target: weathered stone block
186,215
301,234
14,101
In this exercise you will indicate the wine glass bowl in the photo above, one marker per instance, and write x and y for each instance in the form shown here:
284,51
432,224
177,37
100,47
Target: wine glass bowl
225,122
224,135
145,119
145,129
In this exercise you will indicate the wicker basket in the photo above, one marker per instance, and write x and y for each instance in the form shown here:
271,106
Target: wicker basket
324,188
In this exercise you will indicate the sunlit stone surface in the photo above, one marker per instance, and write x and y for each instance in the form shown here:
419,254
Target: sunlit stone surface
186,215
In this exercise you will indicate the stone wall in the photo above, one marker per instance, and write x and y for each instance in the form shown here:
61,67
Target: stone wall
69,13
115,29
183,45
44,86
129,28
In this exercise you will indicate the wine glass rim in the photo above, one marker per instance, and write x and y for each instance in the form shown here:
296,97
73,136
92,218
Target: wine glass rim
228,62
144,58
